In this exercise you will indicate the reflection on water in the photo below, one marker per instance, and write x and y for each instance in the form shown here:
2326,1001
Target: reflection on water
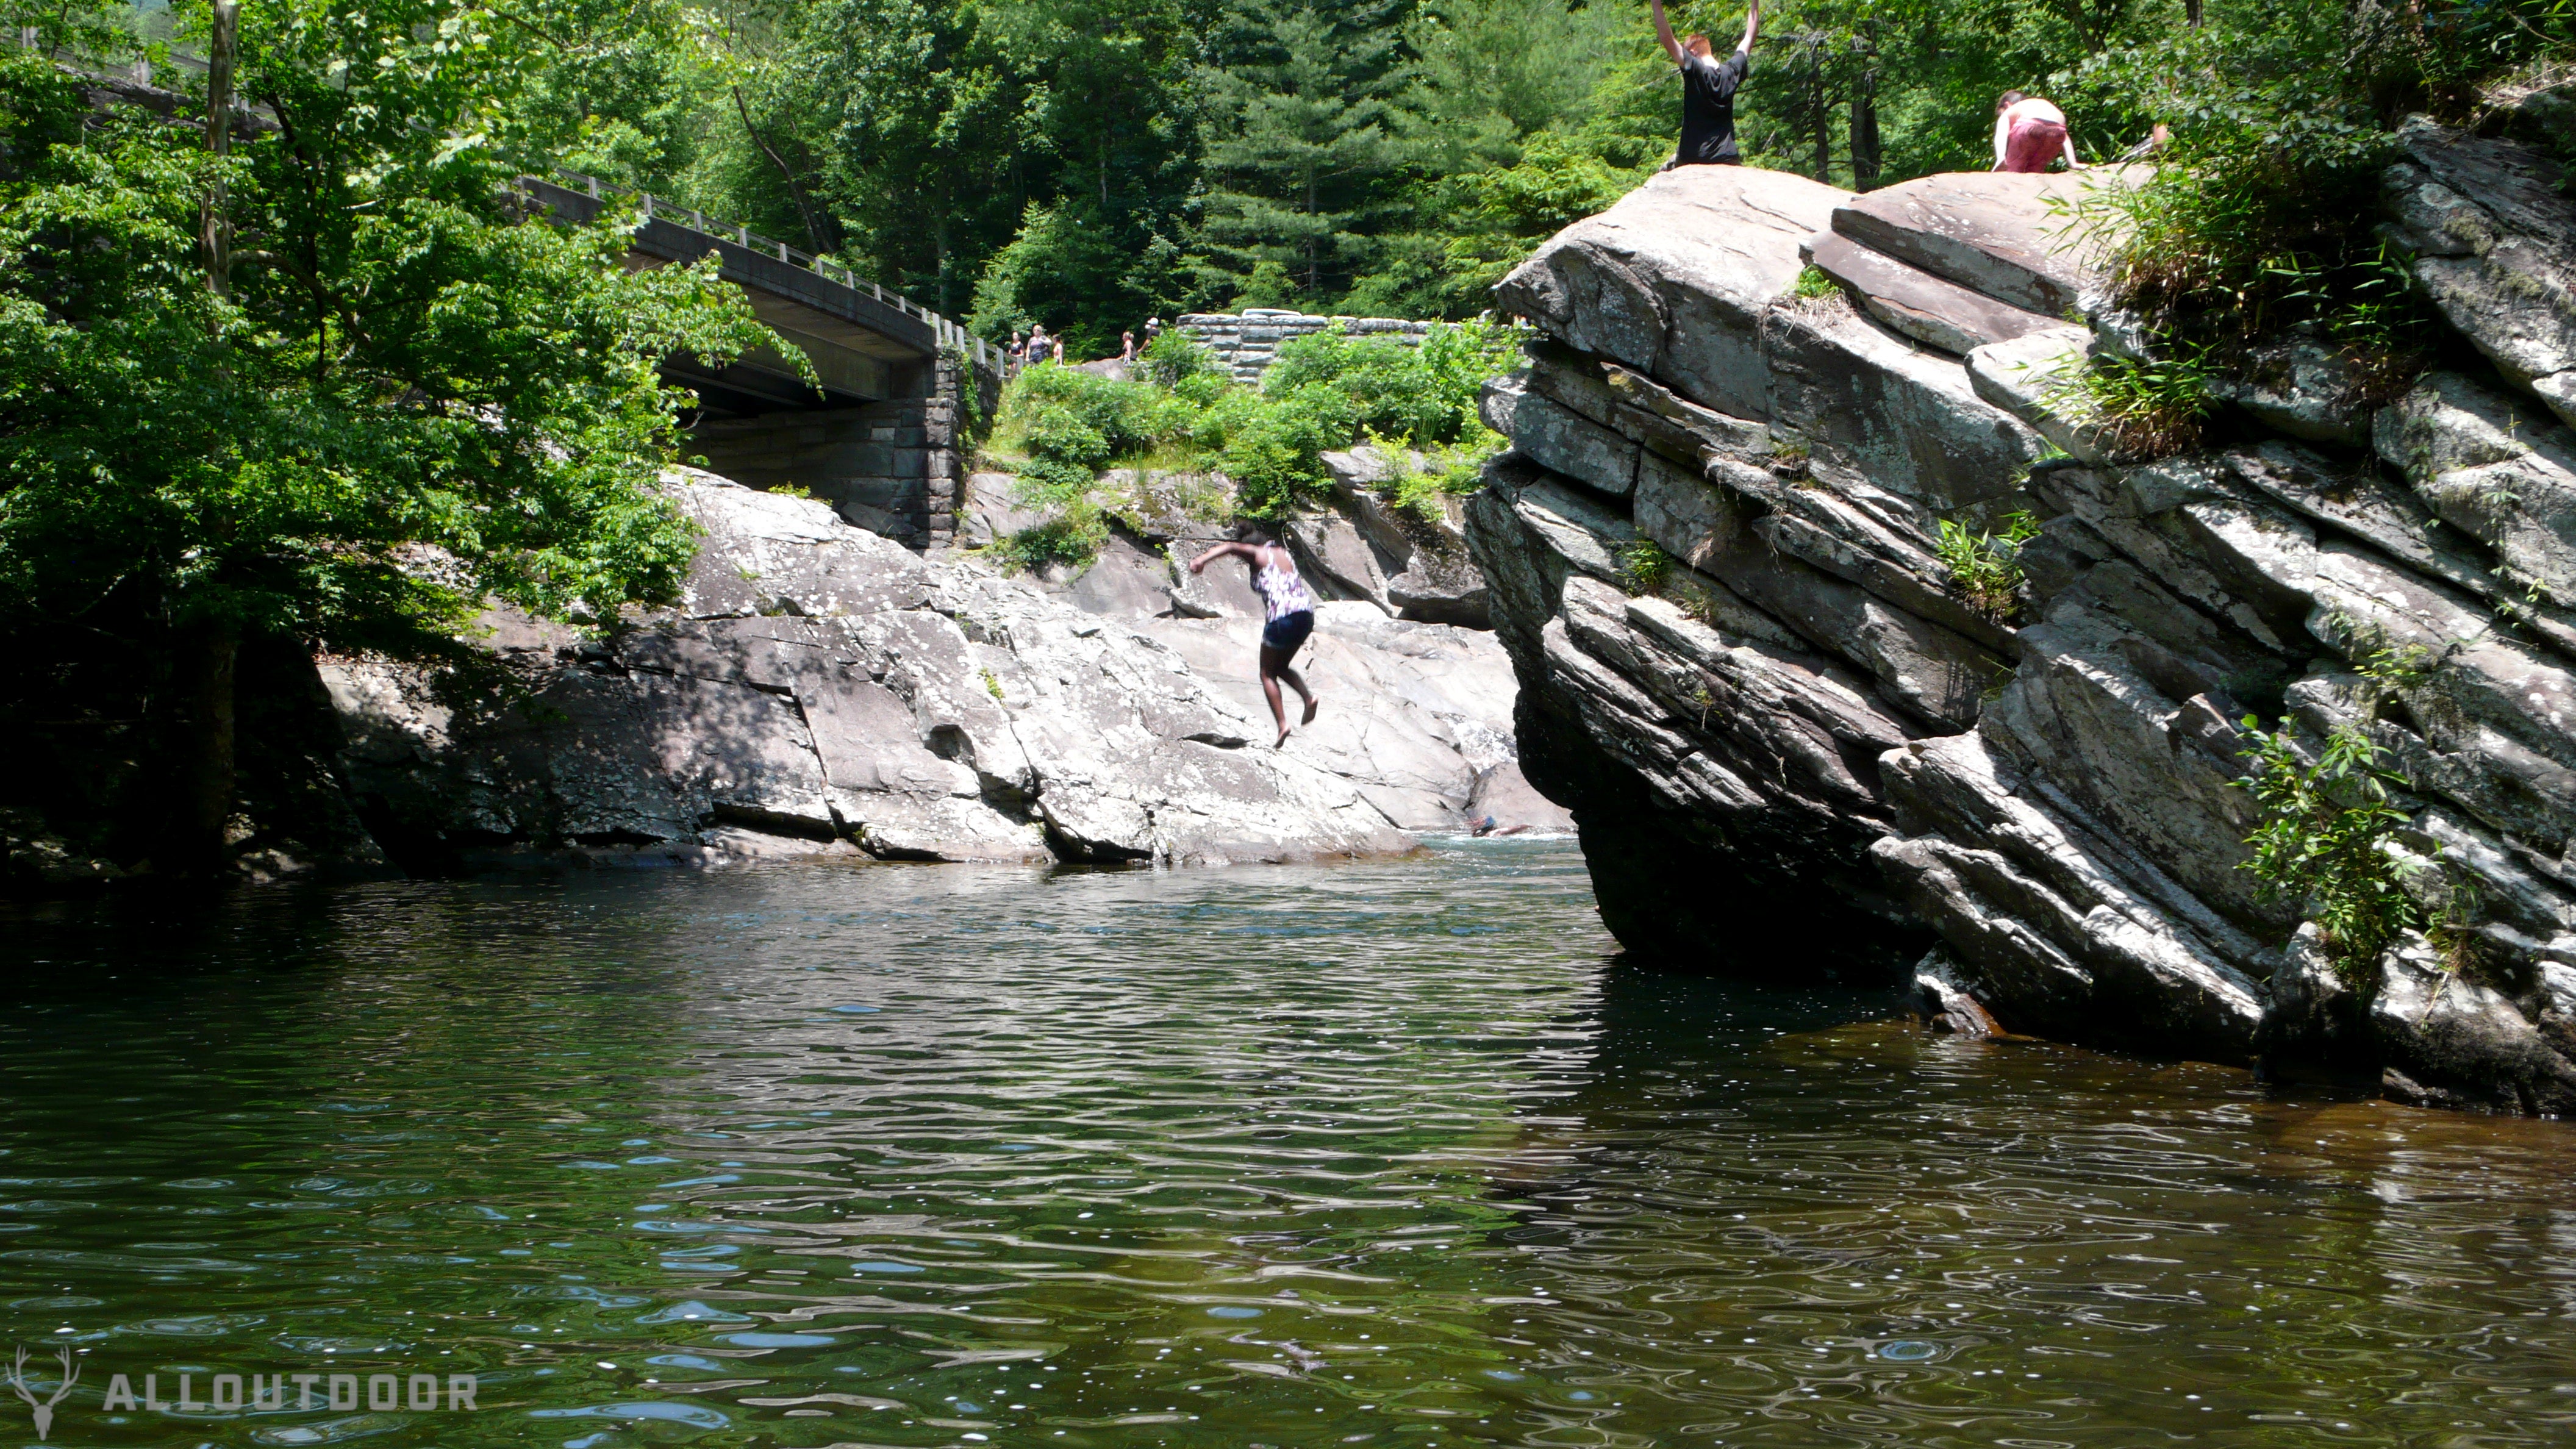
1390,1153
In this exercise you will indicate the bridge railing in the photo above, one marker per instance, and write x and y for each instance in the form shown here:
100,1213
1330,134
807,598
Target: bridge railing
660,208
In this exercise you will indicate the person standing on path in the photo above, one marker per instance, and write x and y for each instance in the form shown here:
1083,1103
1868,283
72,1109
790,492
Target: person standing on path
1288,609
1708,91
2030,133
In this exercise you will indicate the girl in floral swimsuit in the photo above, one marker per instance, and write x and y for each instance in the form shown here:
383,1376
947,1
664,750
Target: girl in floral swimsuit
1289,610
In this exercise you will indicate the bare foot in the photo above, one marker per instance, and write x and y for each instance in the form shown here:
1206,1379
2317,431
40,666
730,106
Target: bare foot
1282,741
1314,702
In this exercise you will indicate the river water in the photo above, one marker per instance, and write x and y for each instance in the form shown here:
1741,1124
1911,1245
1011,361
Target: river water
1395,1154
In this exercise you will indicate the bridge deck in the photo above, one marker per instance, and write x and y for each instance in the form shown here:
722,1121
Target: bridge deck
867,344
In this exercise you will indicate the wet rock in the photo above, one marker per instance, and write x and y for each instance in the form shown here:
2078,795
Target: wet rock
1503,802
1947,1005
2453,1041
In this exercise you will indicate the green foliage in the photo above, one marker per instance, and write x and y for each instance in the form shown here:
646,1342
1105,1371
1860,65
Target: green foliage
1446,473
1813,284
2324,842
1176,360
1074,538
1071,424
1644,567
2142,410
1303,96
1324,393
1985,567
389,361
2280,127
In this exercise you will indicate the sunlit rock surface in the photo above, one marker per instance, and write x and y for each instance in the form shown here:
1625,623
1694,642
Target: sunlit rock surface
819,684
1799,746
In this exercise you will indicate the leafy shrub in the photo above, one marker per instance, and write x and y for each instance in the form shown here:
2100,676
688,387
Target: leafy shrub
1323,394
1074,537
1448,472
1175,358
1987,568
2281,124
1813,285
1644,567
2323,842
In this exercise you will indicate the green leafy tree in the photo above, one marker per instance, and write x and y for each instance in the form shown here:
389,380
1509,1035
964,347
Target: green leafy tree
1305,99
310,368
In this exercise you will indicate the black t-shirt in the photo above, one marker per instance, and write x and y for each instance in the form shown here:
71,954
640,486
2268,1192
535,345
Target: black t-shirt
1708,108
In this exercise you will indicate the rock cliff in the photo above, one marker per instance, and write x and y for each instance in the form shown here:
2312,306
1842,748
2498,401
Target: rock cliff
822,687
1796,745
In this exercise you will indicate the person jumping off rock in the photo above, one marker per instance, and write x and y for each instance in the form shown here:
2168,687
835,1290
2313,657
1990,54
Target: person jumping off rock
1708,91
2030,133
1289,613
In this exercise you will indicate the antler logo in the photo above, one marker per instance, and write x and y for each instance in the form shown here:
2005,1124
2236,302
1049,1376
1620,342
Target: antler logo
44,1409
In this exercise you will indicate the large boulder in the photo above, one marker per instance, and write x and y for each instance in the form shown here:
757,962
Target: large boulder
819,683
1674,280
1822,702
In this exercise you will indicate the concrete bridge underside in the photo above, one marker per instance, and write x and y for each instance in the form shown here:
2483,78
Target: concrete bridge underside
879,431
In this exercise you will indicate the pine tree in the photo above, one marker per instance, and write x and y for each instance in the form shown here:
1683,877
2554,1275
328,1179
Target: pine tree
1303,147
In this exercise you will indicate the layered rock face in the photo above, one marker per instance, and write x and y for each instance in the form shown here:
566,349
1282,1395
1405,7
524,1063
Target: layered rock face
1796,744
821,684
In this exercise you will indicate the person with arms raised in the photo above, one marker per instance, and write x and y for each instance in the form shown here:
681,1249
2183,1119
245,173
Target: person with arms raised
1288,608
1708,91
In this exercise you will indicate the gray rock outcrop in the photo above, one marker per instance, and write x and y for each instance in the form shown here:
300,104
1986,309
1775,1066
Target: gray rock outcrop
1795,744
819,684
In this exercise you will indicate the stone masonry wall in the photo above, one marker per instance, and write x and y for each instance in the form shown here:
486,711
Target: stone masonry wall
1247,342
890,467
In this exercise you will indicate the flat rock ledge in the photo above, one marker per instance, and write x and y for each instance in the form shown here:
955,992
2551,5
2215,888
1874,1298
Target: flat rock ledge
820,689
1795,750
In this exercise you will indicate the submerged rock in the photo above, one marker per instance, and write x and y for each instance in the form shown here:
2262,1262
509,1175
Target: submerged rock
1832,718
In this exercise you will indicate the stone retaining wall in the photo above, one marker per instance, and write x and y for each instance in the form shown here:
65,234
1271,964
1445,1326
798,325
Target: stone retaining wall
890,467
1246,342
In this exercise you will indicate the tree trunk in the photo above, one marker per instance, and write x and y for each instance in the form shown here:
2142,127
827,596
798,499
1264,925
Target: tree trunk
215,225
1865,151
1816,107
822,229
209,654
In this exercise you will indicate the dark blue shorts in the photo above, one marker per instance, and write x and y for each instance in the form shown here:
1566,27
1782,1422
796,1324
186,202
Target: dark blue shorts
1288,631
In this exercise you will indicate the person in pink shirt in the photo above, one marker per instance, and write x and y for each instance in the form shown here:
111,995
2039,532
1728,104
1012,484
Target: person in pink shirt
2030,133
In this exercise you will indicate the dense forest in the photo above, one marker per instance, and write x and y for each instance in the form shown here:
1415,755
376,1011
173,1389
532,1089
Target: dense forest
1086,163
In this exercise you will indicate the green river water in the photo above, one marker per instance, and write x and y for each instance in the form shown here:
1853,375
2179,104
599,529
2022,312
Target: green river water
1396,1154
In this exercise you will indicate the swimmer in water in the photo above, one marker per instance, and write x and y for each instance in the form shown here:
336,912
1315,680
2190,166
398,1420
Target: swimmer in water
1288,609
